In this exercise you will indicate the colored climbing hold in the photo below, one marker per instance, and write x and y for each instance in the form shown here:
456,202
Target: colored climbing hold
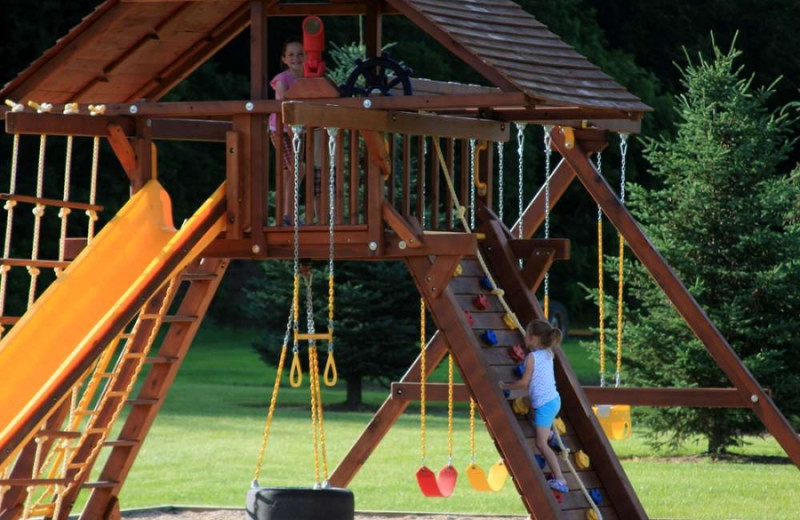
489,337
520,406
487,284
481,302
470,319
590,515
459,270
506,393
596,496
558,496
540,460
519,370
559,426
516,353
582,460
510,322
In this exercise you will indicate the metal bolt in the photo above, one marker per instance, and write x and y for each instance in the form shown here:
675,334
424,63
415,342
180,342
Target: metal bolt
373,246
754,398
149,123
402,244
255,249
367,103
133,109
249,106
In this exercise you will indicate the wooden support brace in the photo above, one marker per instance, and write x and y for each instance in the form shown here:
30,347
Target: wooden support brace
537,266
122,148
400,225
433,392
524,248
439,274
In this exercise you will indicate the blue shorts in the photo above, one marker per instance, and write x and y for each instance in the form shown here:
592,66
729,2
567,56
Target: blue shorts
546,414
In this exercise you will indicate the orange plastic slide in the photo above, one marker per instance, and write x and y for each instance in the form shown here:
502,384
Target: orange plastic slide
117,269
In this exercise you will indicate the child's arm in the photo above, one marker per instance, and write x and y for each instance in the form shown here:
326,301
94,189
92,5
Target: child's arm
523,381
280,89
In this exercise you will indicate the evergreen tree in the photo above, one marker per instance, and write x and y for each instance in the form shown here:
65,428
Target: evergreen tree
376,320
724,216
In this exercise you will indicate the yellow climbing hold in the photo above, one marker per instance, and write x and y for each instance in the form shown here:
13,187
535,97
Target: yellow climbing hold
582,460
559,426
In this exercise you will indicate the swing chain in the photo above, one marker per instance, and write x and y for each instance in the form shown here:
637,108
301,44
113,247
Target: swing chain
472,183
548,151
623,151
520,170
501,146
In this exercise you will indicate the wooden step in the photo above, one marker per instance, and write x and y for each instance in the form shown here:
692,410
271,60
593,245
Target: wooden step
51,202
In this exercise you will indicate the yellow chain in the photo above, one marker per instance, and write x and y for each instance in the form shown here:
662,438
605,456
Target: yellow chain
331,375
312,349
272,402
449,408
422,377
619,308
472,430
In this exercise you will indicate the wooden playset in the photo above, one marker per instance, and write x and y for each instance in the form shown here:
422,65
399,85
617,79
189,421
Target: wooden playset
408,171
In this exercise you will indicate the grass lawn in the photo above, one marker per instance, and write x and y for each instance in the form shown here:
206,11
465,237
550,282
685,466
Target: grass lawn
202,450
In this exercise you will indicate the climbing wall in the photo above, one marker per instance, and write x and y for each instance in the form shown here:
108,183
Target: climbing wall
471,317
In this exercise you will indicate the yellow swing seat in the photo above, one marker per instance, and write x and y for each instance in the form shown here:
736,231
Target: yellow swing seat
498,474
615,420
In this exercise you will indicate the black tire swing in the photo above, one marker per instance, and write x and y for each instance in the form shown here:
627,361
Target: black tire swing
320,502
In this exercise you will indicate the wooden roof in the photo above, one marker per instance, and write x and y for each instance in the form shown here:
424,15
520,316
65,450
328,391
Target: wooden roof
129,50
516,52
126,51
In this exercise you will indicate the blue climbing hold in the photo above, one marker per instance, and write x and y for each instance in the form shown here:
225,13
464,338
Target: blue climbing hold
540,461
597,497
487,284
519,370
489,337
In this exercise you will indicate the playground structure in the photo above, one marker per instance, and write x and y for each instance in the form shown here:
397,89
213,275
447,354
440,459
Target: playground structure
66,393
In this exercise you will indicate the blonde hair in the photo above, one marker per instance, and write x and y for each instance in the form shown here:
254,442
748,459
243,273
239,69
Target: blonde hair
542,329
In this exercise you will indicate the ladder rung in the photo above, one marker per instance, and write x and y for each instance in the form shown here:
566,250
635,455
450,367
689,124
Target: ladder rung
134,355
127,335
27,262
99,484
86,412
96,431
33,481
318,336
191,277
161,359
8,320
142,402
50,202
45,510
120,443
58,434
179,318
117,393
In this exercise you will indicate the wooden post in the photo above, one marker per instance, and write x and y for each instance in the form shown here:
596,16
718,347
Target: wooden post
258,50
373,29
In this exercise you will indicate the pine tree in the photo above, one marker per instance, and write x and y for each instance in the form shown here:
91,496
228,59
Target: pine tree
724,216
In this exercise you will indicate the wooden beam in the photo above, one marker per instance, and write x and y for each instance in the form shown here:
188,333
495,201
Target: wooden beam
433,392
190,130
258,50
719,349
691,397
534,214
373,29
351,243
524,248
315,114
661,397
59,124
335,8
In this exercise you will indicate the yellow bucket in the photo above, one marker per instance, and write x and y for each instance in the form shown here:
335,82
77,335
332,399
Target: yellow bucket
615,420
